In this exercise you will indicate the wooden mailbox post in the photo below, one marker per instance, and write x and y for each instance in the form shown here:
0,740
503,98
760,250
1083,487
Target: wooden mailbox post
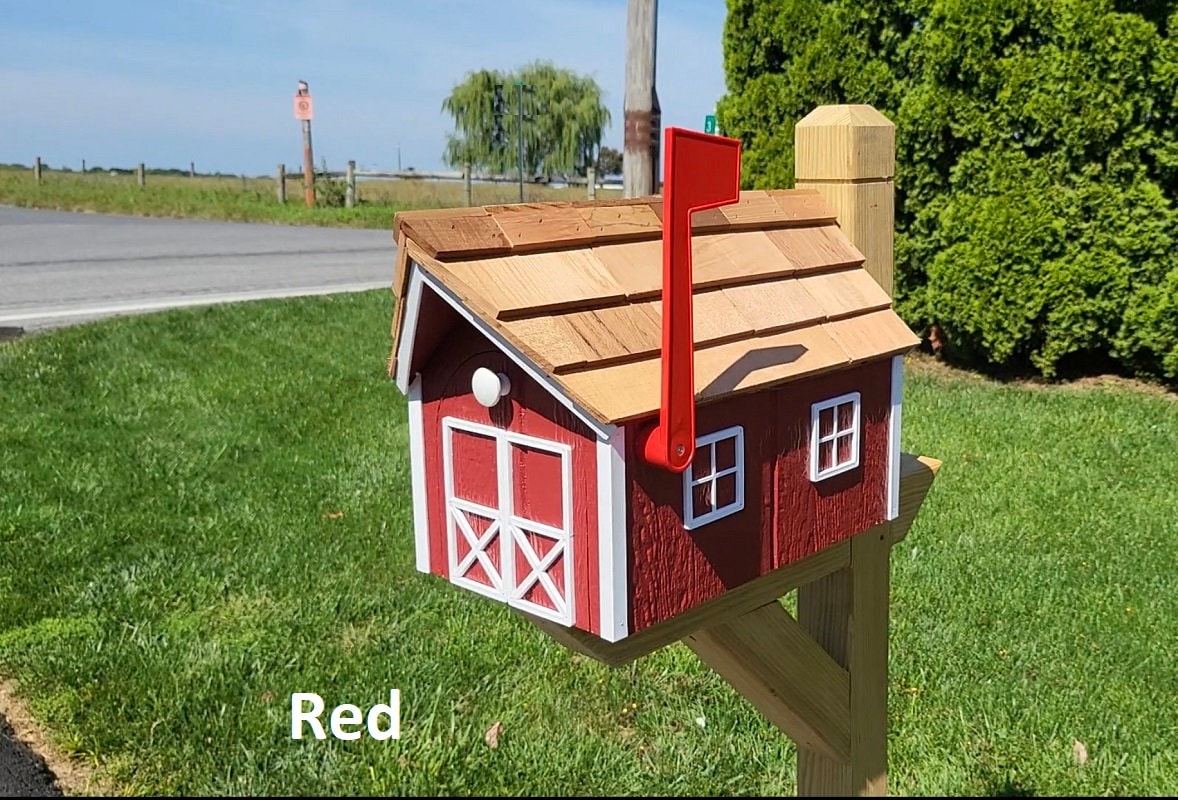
553,412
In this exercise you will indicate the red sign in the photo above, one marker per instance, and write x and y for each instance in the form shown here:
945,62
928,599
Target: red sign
302,106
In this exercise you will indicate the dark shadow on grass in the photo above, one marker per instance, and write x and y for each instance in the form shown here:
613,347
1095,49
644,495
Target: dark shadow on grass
995,777
1008,788
1076,369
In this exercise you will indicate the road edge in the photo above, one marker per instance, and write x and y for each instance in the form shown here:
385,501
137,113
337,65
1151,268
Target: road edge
65,775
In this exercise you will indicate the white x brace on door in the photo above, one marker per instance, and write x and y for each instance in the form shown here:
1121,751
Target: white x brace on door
494,544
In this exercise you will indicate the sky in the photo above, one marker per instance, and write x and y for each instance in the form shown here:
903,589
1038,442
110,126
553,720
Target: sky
168,82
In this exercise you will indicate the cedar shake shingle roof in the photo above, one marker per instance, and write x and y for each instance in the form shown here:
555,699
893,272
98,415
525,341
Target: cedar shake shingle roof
780,292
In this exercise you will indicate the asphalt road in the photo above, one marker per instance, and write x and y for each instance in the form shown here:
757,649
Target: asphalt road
22,772
59,268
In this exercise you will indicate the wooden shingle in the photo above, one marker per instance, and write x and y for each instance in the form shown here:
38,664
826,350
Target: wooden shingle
455,233
845,293
531,284
816,249
577,339
628,391
875,335
485,231
542,226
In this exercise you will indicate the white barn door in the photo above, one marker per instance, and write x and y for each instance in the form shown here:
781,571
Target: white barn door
509,517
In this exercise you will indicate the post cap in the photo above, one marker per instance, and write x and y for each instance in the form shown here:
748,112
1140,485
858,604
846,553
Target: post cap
844,142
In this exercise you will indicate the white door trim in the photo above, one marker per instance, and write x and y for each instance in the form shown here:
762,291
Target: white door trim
511,528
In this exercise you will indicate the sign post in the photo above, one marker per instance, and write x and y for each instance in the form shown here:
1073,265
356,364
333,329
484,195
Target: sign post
710,124
303,111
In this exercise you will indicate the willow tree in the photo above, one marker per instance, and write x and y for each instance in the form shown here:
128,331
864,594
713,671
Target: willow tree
564,120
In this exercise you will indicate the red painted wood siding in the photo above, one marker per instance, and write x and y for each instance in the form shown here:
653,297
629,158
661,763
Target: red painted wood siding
785,518
527,409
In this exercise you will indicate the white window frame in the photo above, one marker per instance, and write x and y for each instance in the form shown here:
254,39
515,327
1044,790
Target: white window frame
690,481
816,440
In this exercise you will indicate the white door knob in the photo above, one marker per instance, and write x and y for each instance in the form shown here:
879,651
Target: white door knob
489,386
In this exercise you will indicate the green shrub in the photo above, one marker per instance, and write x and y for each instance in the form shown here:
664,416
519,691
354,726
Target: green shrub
1149,337
330,192
1043,273
1037,160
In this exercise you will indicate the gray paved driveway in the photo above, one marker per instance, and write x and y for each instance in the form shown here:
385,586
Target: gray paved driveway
59,267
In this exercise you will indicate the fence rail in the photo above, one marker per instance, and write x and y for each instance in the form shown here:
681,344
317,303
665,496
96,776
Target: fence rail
351,175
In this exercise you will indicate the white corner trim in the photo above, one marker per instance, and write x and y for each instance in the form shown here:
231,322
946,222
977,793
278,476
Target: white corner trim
611,535
854,398
417,475
419,277
408,327
894,437
690,480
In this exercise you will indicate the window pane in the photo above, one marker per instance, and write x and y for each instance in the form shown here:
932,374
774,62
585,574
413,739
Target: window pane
825,455
826,422
846,416
726,453
845,454
726,490
701,499
701,465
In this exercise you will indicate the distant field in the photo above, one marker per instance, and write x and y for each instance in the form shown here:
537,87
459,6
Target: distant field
254,199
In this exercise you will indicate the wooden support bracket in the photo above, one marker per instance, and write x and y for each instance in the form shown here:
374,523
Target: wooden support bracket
916,476
775,665
822,679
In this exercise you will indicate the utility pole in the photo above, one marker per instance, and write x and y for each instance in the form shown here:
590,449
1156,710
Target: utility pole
303,112
521,87
498,135
640,152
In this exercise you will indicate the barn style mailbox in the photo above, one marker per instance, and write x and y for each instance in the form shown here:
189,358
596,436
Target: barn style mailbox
639,421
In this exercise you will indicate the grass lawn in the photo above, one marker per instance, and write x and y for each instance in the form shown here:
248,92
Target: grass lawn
254,199
204,511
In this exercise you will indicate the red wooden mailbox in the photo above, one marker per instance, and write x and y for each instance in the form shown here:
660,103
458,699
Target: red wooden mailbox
533,351
632,419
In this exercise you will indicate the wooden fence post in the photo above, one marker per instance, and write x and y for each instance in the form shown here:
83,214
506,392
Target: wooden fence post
847,154
141,176
591,176
468,183
350,186
280,181
37,170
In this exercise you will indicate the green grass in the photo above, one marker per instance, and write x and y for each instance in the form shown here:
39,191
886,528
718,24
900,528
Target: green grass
203,511
252,199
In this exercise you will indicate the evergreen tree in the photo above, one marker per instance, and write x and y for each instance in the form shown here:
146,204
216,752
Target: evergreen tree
1037,160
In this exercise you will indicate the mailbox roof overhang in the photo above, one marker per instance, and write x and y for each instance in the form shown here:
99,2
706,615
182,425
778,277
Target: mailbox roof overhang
780,293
